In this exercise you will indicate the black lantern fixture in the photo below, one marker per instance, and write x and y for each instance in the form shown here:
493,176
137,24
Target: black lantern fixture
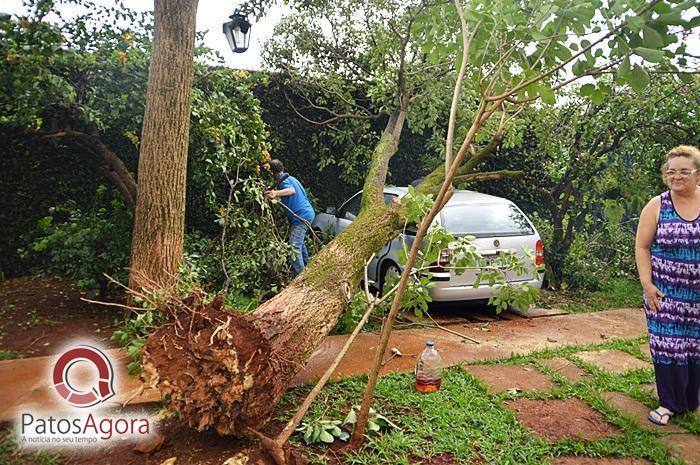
237,32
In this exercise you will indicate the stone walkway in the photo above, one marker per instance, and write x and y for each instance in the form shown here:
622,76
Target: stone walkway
572,418
25,384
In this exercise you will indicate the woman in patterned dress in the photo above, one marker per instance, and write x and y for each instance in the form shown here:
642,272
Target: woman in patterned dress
668,261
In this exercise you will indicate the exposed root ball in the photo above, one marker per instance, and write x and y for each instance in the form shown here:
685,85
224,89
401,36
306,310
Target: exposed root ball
213,367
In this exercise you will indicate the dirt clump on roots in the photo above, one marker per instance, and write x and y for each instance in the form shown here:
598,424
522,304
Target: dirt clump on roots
212,366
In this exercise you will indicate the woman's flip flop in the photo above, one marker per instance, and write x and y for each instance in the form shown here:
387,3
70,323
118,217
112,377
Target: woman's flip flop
660,421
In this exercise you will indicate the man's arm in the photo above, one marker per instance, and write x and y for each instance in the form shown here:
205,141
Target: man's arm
280,193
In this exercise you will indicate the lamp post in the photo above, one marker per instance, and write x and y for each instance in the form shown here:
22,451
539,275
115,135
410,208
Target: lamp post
237,32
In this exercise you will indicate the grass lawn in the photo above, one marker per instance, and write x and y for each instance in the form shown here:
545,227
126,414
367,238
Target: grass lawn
473,426
616,293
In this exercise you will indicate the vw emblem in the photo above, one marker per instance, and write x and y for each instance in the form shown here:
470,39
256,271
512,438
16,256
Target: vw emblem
496,243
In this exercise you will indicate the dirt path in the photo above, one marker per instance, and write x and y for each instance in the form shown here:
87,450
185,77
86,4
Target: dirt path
38,315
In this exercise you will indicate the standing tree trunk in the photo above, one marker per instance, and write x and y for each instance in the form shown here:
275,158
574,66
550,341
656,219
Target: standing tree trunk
159,223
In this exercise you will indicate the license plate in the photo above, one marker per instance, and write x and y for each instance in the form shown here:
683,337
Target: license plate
492,261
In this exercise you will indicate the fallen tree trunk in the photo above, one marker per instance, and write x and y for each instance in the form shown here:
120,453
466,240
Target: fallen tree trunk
228,371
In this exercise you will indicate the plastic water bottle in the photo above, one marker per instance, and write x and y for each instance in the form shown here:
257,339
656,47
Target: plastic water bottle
428,369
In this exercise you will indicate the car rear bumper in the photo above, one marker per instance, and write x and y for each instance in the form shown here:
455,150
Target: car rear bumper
444,292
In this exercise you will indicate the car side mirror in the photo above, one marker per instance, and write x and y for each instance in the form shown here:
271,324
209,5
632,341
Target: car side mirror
331,211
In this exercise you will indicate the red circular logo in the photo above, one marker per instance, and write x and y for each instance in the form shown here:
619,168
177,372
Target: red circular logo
100,392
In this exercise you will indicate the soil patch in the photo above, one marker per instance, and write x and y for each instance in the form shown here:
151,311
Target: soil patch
614,361
38,315
501,378
559,419
573,460
566,368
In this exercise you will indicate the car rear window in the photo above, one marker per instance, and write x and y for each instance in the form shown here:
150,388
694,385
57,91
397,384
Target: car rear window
485,220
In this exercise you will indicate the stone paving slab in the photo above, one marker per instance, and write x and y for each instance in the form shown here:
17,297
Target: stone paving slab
650,387
566,368
502,378
537,312
645,349
559,419
637,410
685,446
614,361
20,378
573,460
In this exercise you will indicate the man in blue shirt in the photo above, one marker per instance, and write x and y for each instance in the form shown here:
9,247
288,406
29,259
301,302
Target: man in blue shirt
299,212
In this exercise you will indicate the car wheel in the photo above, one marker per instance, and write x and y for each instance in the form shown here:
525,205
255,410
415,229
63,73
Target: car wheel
390,269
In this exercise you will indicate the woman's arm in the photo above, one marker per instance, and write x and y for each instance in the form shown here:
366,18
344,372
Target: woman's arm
646,231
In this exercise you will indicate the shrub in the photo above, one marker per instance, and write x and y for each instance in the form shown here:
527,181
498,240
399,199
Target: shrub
82,245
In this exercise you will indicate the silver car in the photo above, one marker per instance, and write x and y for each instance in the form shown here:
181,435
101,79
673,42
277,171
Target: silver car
496,223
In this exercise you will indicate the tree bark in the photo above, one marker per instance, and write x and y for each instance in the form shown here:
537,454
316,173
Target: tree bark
158,236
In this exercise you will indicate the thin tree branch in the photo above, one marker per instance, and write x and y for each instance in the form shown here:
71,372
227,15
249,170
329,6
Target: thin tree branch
466,42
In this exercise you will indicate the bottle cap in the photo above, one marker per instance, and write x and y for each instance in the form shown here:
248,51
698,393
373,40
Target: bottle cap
430,343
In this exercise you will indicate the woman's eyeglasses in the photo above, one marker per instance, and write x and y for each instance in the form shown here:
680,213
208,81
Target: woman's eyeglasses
681,173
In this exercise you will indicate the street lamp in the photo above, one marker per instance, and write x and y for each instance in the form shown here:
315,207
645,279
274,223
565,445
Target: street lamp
237,32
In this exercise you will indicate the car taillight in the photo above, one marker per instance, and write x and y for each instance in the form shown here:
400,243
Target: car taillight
443,261
539,253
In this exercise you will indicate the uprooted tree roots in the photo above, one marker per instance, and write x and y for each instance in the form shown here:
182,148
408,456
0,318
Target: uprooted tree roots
215,367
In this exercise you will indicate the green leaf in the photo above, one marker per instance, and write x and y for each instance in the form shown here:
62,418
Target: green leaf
624,70
351,418
652,39
598,97
586,90
671,19
580,67
308,432
317,430
636,23
649,54
326,437
638,78
547,95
